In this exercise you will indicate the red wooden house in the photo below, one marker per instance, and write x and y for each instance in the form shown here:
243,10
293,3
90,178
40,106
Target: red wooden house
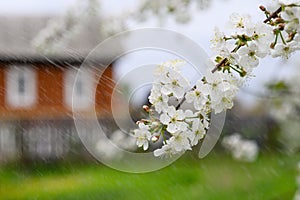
36,90
42,88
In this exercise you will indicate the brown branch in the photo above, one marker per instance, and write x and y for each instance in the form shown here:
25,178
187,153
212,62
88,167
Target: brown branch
183,99
223,62
273,15
180,103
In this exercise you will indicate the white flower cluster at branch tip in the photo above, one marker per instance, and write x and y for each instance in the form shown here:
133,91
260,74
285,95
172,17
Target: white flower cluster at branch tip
237,54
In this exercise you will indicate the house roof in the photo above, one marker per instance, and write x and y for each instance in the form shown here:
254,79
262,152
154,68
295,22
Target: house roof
50,60
17,34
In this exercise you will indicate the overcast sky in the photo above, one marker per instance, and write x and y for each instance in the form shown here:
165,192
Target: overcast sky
54,7
199,29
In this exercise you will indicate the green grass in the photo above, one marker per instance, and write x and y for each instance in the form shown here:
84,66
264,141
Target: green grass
215,177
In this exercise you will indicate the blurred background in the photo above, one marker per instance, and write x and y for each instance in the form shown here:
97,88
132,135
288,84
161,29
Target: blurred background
42,45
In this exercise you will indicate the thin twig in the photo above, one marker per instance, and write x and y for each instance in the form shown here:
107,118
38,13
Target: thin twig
219,65
183,99
273,15
222,63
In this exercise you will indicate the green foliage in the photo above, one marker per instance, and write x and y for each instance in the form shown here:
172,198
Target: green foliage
278,86
215,177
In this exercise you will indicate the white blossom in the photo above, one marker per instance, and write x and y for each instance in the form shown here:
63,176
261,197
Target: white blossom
142,136
180,141
224,102
197,131
157,99
196,96
167,150
174,119
288,2
285,50
218,40
241,24
291,16
164,68
174,84
174,64
225,52
221,89
263,36
249,55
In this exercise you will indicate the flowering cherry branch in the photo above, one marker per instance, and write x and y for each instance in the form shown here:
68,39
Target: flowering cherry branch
181,129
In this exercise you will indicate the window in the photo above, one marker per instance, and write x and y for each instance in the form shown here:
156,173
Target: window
21,86
83,86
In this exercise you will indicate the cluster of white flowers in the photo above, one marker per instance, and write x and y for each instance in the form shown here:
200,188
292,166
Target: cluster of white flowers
236,54
248,42
182,129
241,149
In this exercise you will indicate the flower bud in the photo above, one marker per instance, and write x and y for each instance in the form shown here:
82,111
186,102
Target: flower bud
291,36
138,122
142,121
145,121
279,20
243,73
262,8
281,26
272,46
276,31
154,138
155,124
146,108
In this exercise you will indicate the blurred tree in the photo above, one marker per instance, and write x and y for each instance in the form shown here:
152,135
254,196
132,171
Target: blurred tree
285,108
179,9
58,31
82,16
